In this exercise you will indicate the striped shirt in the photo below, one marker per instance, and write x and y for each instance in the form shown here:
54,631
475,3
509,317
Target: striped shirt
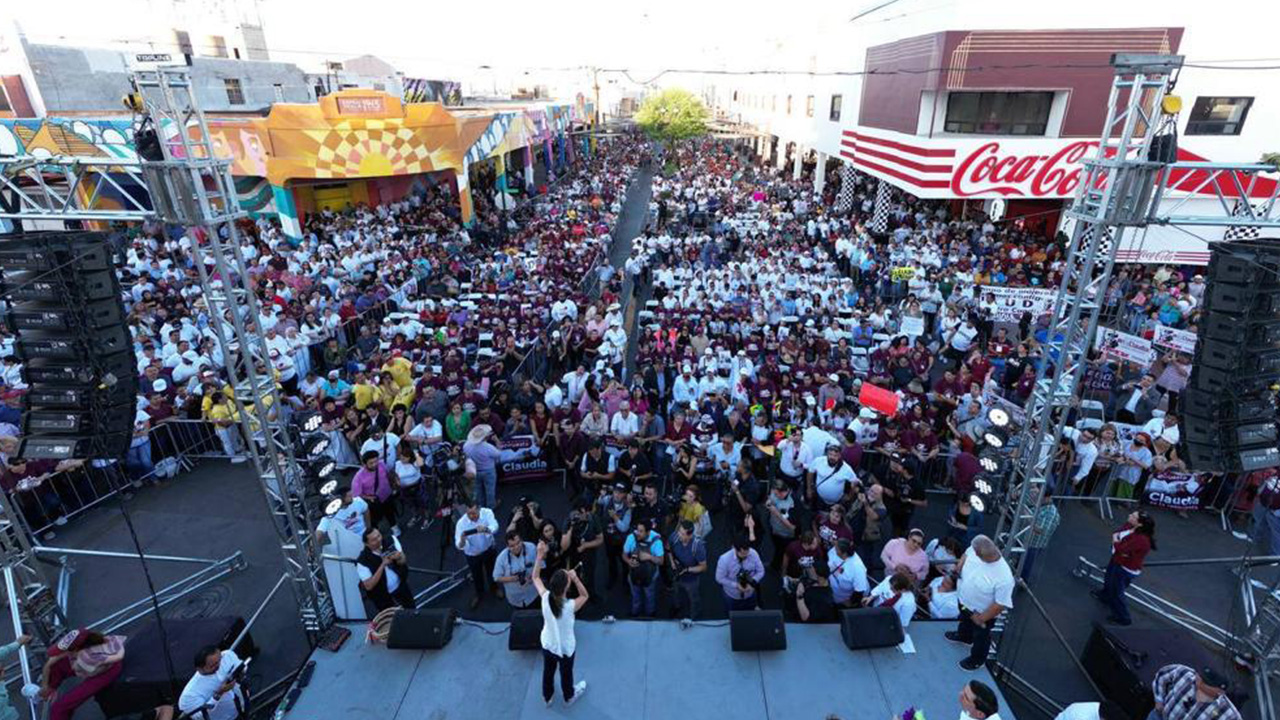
1047,519
1175,691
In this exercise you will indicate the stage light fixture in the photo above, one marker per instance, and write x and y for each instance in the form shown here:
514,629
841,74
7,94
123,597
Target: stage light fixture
977,503
991,463
995,437
329,487
322,468
983,485
315,444
998,417
310,421
333,507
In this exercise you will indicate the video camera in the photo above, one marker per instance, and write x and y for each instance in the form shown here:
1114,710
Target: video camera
745,578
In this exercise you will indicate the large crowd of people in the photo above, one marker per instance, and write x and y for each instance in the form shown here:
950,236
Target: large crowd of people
704,401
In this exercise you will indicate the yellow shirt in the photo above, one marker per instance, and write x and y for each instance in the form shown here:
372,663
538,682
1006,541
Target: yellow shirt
401,371
693,513
364,395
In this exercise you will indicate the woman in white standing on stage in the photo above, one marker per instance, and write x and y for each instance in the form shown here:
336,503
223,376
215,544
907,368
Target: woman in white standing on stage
558,642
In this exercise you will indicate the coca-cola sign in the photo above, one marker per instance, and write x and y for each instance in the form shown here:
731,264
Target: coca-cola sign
988,170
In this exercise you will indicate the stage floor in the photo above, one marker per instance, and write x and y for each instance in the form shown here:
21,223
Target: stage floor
640,670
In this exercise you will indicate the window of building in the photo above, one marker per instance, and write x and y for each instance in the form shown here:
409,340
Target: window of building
788,104
998,113
217,46
235,94
837,104
1218,115
808,106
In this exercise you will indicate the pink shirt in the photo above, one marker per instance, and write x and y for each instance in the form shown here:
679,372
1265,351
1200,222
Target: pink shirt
896,552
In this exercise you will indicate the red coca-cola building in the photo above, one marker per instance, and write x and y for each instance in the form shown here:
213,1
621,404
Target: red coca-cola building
1001,118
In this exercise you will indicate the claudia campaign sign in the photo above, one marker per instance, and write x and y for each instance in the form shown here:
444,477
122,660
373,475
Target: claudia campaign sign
1123,346
1011,302
1174,339
528,469
1176,491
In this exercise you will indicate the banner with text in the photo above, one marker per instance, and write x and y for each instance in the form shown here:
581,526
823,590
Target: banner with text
1180,340
527,469
1175,491
1011,302
1123,346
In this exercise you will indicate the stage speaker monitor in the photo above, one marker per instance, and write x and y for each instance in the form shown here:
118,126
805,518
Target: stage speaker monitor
526,630
421,629
754,630
864,628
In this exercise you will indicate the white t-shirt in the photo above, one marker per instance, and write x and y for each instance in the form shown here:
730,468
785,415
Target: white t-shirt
983,583
557,632
943,605
964,337
905,606
352,516
847,576
829,481
386,446
1080,711
200,689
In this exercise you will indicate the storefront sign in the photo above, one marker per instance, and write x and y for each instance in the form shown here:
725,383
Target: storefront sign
369,105
992,168
1011,302
1180,340
1123,346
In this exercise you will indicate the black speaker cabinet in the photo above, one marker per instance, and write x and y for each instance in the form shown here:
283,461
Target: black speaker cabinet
753,630
421,629
1124,660
864,628
526,630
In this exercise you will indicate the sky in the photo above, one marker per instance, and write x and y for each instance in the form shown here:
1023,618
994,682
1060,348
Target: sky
426,38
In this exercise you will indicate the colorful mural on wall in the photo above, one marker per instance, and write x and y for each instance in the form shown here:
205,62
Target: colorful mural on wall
355,135
418,90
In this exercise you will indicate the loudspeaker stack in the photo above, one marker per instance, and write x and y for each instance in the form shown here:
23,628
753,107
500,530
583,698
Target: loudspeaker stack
65,307
1228,408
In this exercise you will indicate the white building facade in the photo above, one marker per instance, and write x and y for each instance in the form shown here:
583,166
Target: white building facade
996,100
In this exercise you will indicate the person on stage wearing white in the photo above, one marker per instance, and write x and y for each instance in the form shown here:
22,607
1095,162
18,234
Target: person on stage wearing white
559,646
213,693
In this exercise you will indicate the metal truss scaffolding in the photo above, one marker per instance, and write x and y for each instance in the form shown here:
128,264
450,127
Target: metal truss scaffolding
193,187
1130,183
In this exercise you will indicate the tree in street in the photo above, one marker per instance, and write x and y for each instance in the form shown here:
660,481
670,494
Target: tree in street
673,114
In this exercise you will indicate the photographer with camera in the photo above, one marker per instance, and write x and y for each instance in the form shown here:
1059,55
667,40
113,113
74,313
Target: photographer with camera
526,518
555,557
514,569
597,467
582,536
800,555
739,572
643,554
615,515
814,598
651,508
473,535
687,561
634,467
383,571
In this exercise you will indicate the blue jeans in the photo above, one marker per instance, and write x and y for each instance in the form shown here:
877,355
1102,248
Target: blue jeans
486,493
644,599
138,460
1113,586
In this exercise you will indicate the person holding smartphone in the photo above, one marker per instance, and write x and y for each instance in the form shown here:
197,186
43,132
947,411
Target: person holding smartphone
214,692
383,571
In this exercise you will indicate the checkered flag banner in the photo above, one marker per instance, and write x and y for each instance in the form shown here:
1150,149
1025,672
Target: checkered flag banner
880,214
1104,246
848,181
1243,232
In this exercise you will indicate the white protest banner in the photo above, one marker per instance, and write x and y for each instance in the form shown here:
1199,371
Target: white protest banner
1124,346
1011,302
913,326
1180,340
